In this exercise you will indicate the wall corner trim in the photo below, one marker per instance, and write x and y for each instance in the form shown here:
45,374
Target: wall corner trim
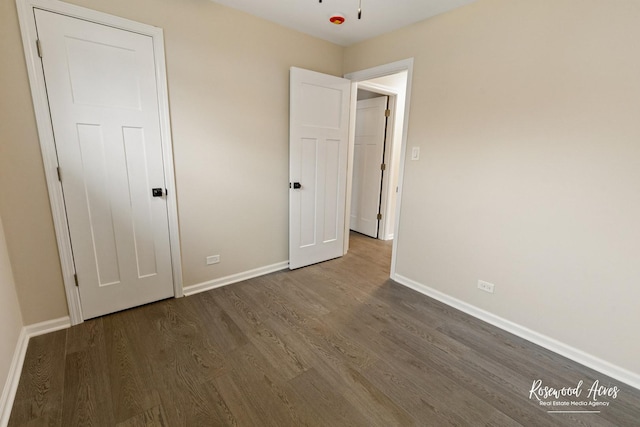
606,368
234,278
13,377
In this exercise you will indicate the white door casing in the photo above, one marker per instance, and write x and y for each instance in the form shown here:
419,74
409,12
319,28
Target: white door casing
143,215
368,156
318,145
372,73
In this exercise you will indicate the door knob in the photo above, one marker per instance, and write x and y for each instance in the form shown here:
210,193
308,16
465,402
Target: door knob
296,185
158,192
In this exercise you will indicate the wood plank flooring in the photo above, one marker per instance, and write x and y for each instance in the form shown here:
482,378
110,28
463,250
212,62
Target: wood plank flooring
333,344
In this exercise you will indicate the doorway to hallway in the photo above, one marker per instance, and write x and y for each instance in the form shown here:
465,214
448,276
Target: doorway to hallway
380,116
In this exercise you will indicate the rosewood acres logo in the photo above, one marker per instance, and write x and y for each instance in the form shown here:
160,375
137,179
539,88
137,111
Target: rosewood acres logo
578,399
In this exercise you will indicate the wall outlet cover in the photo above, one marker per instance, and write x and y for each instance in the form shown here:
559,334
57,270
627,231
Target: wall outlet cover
486,286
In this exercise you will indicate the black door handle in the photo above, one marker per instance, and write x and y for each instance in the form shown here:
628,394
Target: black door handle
157,192
296,185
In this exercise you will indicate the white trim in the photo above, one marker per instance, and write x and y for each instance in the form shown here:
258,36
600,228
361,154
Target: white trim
235,278
353,103
377,88
549,343
17,362
381,71
13,378
384,227
47,327
47,143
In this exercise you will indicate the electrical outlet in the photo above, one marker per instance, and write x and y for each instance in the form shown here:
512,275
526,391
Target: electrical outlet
485,286
214,259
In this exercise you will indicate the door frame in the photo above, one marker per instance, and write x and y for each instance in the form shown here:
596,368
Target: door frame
368,74
47,142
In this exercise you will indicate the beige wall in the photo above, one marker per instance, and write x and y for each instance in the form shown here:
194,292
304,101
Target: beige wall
527,116
228,77
24,203
10,317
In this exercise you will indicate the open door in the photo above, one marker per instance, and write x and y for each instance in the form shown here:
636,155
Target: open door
318,147
368,165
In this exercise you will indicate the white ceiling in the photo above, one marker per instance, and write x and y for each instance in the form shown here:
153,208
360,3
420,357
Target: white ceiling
312,17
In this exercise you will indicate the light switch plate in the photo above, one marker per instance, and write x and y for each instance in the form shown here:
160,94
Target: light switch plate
415,153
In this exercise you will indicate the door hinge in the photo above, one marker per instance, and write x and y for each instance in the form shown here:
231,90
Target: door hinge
387,113
379,217
39,48
59,173
383,167
75,278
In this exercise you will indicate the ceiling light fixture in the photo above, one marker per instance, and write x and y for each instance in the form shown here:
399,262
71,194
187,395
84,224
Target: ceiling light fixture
359,13
337,19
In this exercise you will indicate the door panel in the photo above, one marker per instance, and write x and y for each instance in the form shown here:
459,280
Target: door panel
307,173
136,149
333,205
368,155
94,66
319,121
102,93
99,212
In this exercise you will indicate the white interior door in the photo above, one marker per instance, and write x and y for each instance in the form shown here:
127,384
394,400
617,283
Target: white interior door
102,93
368,156
318,146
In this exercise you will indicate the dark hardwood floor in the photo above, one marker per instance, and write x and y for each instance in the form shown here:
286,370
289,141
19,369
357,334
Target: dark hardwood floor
333,344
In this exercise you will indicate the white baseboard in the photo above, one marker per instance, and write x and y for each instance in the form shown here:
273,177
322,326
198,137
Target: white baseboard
234,278
48,326
13,377
549,343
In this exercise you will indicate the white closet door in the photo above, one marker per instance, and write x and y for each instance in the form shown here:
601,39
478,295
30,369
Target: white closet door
101,86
